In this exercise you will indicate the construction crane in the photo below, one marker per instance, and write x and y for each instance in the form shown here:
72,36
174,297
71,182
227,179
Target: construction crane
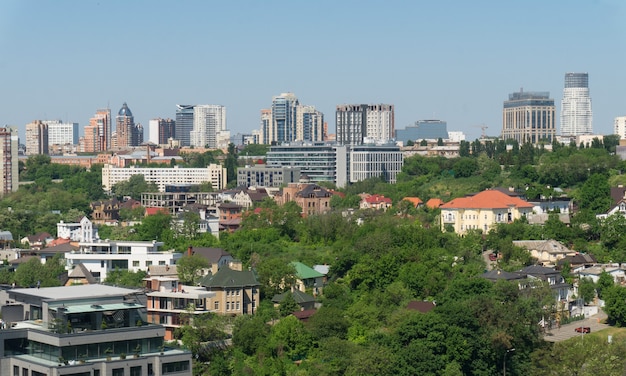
483,129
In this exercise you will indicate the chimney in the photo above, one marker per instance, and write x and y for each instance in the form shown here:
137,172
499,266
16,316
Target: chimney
189,251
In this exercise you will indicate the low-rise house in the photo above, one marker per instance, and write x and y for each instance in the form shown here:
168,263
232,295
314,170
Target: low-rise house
81,231
434,203
308,279
80,276
101,257
83,330
169,302
230,215
547,252
562,205
482,211
217,257
37,241
236,290
6,238
304,300
416,202
376,202
553,277
593,273
246,198
578,261
311,198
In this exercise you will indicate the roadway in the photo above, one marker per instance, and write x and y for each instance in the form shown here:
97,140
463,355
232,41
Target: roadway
567,331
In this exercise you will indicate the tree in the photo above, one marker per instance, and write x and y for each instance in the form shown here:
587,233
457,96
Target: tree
423,142
595,194
154,226
231,164
288,305
615,305
133,187
189,268
124,277
586,289
410,143
275,276
439,141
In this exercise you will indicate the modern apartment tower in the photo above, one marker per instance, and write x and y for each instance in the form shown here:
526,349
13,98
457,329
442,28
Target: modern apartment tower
283,126
209,121
619,127
36,138
8,160
361,123
127,132
161,130
98,132
576,114
309,124
529,117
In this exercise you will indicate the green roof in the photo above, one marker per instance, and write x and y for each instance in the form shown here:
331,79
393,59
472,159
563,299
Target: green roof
226,277
305,272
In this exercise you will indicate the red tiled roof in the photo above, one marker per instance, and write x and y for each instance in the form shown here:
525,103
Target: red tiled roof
376,199
153,211
489,199
434,203
416,201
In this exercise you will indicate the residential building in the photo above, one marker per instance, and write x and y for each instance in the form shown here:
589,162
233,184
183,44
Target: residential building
208,122
576,113
312,198
82,231
98,132
282,127
83,330
61,134
36,138
423,130
9,172
553,278
236,290
184,123
308,279
246,198
161,130
217,257
619,127
266,176
546,252
302,299
128,133
482,211
37,241
170,303
309,124
175,200
108,211
163,176
529,117
266,131
376,202
362,123
102,256
230,215
593,273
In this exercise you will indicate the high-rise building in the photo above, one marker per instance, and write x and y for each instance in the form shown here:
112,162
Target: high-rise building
60,133
184,123
209,120
576,114
289,121
8,160
423,130
619,127
309,124
127,132
98,132
161,130
36,138
361,123
529,117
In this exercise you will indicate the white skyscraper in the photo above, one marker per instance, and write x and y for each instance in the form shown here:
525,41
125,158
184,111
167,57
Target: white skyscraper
362,123
619,127
209,121
576,114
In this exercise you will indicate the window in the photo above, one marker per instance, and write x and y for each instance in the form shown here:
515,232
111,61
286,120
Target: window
118,372
217,305
237,306
135,371
174,367
136,264
148,263
228,306
238,292
162,262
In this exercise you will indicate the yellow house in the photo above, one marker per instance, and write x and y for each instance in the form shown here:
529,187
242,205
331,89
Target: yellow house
482,211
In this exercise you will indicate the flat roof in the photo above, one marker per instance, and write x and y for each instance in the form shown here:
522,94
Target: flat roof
84,308
74,292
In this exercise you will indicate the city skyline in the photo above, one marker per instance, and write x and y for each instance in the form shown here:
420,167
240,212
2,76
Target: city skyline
453,61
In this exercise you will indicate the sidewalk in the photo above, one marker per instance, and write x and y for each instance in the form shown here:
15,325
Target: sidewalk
567,331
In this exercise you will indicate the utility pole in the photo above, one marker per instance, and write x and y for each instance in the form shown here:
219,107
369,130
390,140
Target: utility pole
504,361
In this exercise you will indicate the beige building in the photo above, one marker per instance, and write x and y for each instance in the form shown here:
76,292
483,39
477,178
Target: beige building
483,211
8,160
236,290
529,117
312,198
36,138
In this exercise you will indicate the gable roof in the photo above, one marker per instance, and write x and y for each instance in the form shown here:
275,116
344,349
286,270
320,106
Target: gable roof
298,296
423,307
81,271
434,203
226,277
494,275
551,246
416,201
489,199
538,270
213,255
305,272
162,271
377,199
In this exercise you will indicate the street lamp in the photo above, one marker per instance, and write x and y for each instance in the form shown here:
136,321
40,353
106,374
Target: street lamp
504,360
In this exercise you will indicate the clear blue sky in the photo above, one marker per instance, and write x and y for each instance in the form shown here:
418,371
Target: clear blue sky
450,60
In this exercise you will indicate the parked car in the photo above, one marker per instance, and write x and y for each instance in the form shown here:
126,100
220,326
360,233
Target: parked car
583,329
493,257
